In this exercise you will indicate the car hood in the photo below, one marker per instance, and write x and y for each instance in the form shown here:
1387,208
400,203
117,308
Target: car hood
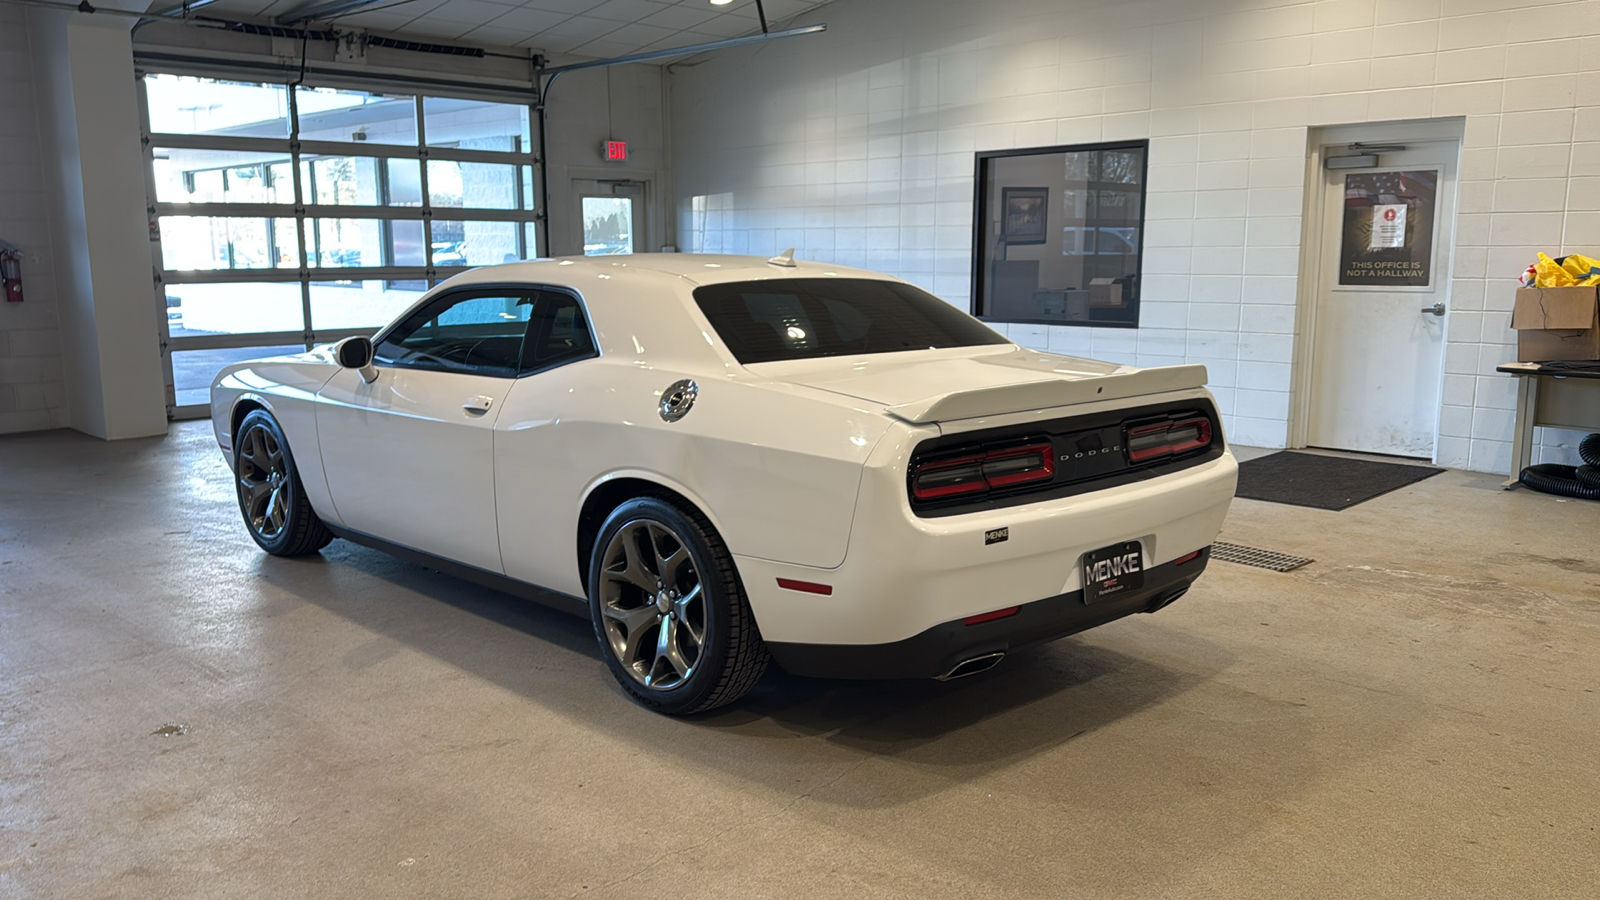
932,385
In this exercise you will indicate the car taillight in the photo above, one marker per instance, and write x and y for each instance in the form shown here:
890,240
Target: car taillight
1168,438
983,471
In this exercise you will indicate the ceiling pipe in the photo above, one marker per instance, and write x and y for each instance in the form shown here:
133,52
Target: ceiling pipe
84,7
324,10
652,55
183,9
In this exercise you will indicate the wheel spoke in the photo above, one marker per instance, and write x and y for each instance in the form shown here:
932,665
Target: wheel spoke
633,570
667,647
256,489
655,675
656,534
258,450
636,626
275,512
685,612
672,564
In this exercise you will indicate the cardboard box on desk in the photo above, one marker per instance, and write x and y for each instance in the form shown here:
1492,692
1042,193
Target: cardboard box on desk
1105,292
1557,323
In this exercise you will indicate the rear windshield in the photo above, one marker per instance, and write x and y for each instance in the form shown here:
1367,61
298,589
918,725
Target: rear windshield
804,318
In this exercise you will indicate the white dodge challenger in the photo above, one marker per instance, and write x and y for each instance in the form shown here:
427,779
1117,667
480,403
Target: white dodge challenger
738,460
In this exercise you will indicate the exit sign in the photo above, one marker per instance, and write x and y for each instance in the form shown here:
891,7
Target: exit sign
614,151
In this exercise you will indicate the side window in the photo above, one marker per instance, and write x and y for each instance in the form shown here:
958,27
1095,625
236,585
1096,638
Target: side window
477,333
558,334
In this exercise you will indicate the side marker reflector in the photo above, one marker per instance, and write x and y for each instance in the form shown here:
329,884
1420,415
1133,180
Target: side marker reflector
1186,558
981,618
806,587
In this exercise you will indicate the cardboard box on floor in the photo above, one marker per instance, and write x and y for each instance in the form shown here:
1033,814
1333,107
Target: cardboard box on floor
1557,323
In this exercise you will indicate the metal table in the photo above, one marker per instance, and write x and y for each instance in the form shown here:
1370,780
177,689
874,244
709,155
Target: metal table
1550,397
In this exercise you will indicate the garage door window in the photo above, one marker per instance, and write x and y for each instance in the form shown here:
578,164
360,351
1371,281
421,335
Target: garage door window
1059,235
293,216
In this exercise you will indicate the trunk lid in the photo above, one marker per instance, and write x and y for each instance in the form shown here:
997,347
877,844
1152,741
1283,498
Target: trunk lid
964,382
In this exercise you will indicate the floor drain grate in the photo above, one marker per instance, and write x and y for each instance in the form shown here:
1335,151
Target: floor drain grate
1261,559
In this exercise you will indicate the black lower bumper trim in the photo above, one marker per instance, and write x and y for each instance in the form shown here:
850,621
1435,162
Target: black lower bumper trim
939,649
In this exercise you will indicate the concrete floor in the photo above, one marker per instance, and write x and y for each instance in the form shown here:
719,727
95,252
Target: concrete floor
1413,715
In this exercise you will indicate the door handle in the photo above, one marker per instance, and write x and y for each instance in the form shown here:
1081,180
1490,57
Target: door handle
1437,309
479,404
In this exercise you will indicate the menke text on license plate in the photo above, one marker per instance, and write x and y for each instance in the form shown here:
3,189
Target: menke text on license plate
1112,570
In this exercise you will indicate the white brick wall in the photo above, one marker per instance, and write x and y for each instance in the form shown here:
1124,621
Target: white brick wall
856,146
31,391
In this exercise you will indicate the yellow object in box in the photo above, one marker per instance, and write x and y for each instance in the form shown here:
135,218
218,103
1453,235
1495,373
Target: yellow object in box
1585,272
1574,270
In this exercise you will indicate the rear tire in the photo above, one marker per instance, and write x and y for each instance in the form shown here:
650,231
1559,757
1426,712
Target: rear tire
669,611
271,498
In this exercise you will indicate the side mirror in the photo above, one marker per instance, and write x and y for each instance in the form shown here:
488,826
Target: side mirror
356,353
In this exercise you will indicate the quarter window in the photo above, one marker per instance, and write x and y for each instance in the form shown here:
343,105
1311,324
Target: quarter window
557,334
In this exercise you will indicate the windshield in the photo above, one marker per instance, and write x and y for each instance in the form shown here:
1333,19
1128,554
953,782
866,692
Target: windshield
804,318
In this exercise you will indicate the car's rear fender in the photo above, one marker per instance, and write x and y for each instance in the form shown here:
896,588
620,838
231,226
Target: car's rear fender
775,468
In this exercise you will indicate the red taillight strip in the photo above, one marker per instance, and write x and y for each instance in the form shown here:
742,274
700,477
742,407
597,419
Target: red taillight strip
1202,436
1187,558
985,482
1201,425
981,618
806,587
930,493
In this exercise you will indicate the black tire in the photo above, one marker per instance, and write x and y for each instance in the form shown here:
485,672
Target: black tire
643,601
271,498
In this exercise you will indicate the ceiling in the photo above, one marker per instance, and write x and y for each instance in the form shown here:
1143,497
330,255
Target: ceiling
559,28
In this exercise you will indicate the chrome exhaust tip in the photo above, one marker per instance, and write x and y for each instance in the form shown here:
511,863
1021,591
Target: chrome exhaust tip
973,666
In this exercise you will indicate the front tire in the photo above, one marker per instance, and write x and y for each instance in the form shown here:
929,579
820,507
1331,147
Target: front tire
271,497
669,611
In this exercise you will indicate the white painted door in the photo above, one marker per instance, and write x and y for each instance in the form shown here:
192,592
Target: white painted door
611,215
408,462
1383,302
410,457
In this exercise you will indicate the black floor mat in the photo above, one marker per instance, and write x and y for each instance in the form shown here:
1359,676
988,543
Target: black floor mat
1324,482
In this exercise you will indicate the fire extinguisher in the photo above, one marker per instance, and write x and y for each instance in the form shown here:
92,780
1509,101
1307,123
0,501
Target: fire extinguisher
11,272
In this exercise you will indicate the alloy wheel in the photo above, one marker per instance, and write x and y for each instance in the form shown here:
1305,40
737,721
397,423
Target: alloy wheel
263,482
652,605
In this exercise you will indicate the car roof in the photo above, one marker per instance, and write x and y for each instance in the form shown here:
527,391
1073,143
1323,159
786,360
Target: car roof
640,306
695,268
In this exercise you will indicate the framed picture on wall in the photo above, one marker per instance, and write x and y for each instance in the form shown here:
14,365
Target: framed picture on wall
1022,214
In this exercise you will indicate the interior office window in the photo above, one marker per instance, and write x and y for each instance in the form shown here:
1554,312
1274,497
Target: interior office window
1058,234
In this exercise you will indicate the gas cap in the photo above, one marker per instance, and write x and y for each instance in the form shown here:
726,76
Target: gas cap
678,399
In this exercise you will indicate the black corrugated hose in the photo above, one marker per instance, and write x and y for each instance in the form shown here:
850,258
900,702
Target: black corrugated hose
1582,481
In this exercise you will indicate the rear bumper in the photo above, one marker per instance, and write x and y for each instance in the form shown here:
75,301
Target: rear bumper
939,649
904,575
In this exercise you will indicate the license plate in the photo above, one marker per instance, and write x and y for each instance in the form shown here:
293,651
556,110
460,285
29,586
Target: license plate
1112,570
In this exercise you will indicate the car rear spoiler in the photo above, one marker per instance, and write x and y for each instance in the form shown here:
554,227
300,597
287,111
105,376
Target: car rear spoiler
1013,398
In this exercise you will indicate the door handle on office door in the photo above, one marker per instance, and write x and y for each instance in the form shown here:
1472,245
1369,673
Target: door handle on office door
1437,309
478,405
